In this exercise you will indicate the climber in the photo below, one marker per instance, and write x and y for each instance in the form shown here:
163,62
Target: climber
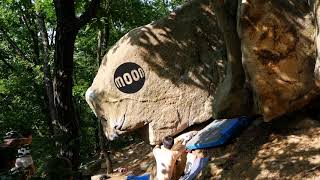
166,157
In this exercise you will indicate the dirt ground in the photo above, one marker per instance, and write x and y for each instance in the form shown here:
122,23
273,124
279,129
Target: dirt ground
287,148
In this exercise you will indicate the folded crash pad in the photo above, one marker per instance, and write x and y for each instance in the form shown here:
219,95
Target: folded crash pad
142,177
218,133
195,169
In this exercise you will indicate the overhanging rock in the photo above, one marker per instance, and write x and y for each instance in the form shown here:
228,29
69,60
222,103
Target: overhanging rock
162,76
277,39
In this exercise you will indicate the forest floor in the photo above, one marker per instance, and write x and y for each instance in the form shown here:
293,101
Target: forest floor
287,148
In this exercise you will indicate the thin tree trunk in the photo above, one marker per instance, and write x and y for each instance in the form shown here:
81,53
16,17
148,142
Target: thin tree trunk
28,19
47,73
77,135
104,153
99,45
103,38
3,57
97,139
7,64
14,44
103,34
106,36
52,37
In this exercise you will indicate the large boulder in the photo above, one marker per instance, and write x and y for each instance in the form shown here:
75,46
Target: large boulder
315,5
161,76
277,40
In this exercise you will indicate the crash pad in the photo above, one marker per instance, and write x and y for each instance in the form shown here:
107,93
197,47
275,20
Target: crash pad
142,177
195,168
218,132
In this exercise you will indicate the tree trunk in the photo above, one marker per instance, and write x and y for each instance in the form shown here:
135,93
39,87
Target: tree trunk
63,98
103,34
103,38
47,73
106,36
104,148
67,28
28,16
99,46
67,123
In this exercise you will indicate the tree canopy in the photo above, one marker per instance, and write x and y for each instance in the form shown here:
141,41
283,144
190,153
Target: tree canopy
28,47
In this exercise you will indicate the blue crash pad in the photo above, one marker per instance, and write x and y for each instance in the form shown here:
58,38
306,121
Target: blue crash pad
142,177
218,133
196,168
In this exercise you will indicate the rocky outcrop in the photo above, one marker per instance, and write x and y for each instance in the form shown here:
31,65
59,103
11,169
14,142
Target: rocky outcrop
278,54
233,97
315,5
161,76
206,61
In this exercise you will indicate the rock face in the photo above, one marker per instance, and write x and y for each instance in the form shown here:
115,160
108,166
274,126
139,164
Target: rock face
277,39
162,76
233,98
315,5
197,64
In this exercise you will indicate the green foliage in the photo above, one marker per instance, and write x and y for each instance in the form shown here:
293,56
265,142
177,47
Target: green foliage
22,91
46,6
